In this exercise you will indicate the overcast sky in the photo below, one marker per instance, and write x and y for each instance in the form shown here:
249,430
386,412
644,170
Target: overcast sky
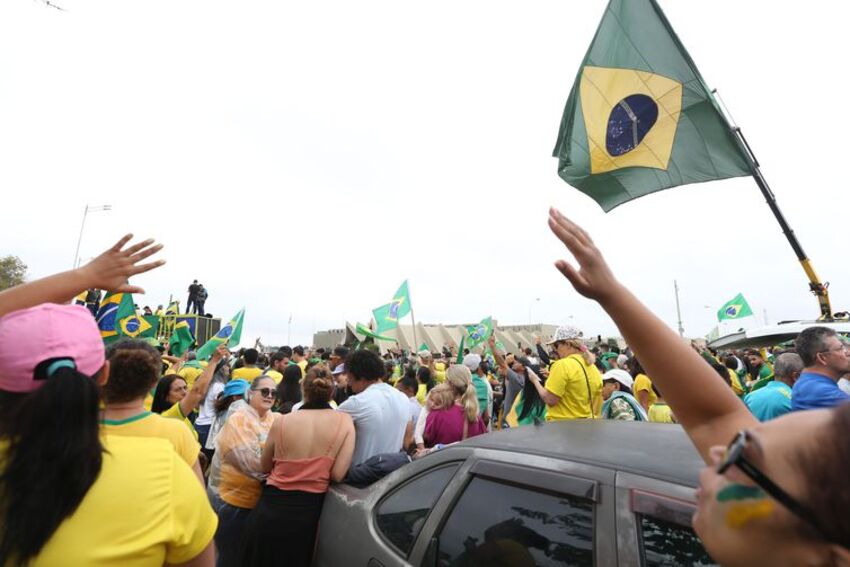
307,157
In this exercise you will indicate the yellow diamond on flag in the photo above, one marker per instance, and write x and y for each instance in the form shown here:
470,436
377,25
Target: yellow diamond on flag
630,117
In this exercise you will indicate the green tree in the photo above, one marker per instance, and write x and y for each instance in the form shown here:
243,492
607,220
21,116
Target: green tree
12,272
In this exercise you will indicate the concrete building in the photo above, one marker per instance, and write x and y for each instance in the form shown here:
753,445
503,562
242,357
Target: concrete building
436,336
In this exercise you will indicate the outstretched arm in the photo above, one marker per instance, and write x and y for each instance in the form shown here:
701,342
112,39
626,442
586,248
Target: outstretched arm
111,271
705,406
193,398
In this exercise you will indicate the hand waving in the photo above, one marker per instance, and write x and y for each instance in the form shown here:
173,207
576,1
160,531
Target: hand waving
593,279
112,269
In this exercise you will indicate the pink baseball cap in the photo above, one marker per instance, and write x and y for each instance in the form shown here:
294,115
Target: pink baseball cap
48,331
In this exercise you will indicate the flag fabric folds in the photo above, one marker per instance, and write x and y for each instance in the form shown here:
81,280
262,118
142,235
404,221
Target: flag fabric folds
117,318
383,321
735,308
387,316
460,350
479,333
640,118
365,331
400,305
230,334
181,339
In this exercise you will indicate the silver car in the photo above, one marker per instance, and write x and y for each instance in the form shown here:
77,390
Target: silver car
571,493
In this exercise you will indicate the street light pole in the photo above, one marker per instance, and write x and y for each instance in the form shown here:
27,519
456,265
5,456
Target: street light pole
83,226
530,305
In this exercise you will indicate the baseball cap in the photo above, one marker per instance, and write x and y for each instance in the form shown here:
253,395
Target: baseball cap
566,333
236,387
48,331
620,376
472,361
340,368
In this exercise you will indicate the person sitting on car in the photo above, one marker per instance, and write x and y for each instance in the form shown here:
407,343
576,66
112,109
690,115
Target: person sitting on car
777,493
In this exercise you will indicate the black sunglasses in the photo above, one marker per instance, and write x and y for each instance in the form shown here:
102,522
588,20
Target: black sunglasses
735,456
266,392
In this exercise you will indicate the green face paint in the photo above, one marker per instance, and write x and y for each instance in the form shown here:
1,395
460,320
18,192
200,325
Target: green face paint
735,492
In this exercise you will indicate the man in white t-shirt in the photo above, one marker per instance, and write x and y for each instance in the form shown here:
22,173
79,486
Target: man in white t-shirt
381,413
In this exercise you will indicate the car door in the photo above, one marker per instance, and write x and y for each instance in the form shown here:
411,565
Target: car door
519,509
654,524
402,510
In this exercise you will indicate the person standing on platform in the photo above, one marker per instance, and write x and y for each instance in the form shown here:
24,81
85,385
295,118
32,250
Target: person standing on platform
191,303
200,299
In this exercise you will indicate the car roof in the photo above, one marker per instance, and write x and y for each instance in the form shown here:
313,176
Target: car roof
657,450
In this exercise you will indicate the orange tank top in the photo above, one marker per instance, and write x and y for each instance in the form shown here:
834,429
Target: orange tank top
312,474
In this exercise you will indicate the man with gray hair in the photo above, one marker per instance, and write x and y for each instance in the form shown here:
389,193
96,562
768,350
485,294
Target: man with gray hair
826,360
774,399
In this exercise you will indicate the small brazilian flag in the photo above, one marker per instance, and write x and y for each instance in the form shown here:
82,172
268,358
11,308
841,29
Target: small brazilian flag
640,118
735,308
181,339
479,333
230,334
367,332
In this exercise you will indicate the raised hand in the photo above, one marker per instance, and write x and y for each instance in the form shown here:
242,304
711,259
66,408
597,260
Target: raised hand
593,278
112,270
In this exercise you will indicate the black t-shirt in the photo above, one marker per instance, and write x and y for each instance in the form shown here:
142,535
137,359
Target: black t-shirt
193,289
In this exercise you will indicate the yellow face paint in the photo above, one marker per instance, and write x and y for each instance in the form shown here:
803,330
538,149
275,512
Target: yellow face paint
742,513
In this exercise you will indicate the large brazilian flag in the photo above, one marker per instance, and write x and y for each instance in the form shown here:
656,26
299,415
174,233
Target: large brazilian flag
640,118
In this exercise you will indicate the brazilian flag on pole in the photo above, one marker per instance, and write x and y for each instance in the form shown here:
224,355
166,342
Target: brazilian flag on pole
230,334
640,118
383,320
735,308
117,318
387,316
400,305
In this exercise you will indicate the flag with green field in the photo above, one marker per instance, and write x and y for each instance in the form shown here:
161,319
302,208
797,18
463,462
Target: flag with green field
230,335
640,117
181,339
735,308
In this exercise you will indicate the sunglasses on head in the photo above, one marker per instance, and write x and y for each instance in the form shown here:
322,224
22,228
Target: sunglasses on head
266,392
735,457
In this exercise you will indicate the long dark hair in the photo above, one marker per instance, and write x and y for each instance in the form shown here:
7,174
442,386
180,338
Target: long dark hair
289,389
53,458
530,398
160,396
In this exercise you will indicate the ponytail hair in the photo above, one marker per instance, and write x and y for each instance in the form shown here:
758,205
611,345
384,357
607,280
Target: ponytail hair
589,357
53,458
460,380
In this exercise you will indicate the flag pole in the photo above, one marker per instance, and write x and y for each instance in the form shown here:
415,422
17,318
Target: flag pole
413,319
818,288
678,310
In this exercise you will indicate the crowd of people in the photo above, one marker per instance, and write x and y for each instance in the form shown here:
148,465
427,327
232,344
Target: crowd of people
227,460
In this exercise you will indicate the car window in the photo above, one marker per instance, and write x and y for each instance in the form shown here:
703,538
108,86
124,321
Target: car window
401,515
495,523
668,544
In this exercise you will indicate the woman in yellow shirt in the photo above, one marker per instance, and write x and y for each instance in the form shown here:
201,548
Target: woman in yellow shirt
134,369
236,462
97,488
